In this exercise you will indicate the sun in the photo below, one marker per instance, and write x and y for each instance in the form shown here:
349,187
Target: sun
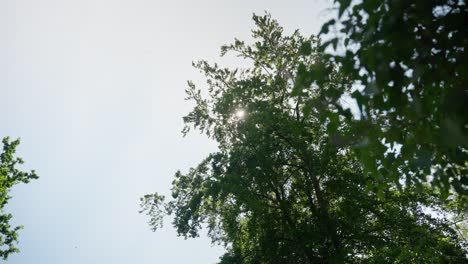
240,113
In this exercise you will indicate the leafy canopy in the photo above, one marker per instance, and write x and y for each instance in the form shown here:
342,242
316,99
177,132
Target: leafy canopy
282,188
410,64
10,175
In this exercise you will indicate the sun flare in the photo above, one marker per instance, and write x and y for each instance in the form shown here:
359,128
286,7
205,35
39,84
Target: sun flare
240,113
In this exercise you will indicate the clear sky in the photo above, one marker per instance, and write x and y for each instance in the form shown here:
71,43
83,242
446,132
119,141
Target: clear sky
95,91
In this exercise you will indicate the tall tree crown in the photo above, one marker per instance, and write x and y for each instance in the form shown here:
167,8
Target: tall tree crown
283,187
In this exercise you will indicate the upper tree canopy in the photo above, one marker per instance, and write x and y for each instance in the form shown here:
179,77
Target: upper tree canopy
9,176
282,188
409,60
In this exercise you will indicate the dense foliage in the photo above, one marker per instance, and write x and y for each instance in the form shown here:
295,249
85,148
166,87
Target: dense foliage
284,189
9,176
410,64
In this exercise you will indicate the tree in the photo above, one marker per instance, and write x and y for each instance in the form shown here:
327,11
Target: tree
10,175
409,60
281,189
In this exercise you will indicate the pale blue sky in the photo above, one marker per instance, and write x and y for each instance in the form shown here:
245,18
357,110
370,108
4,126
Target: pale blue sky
95,90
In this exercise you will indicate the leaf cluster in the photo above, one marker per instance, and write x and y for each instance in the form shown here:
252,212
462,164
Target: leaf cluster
409,64
10,175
